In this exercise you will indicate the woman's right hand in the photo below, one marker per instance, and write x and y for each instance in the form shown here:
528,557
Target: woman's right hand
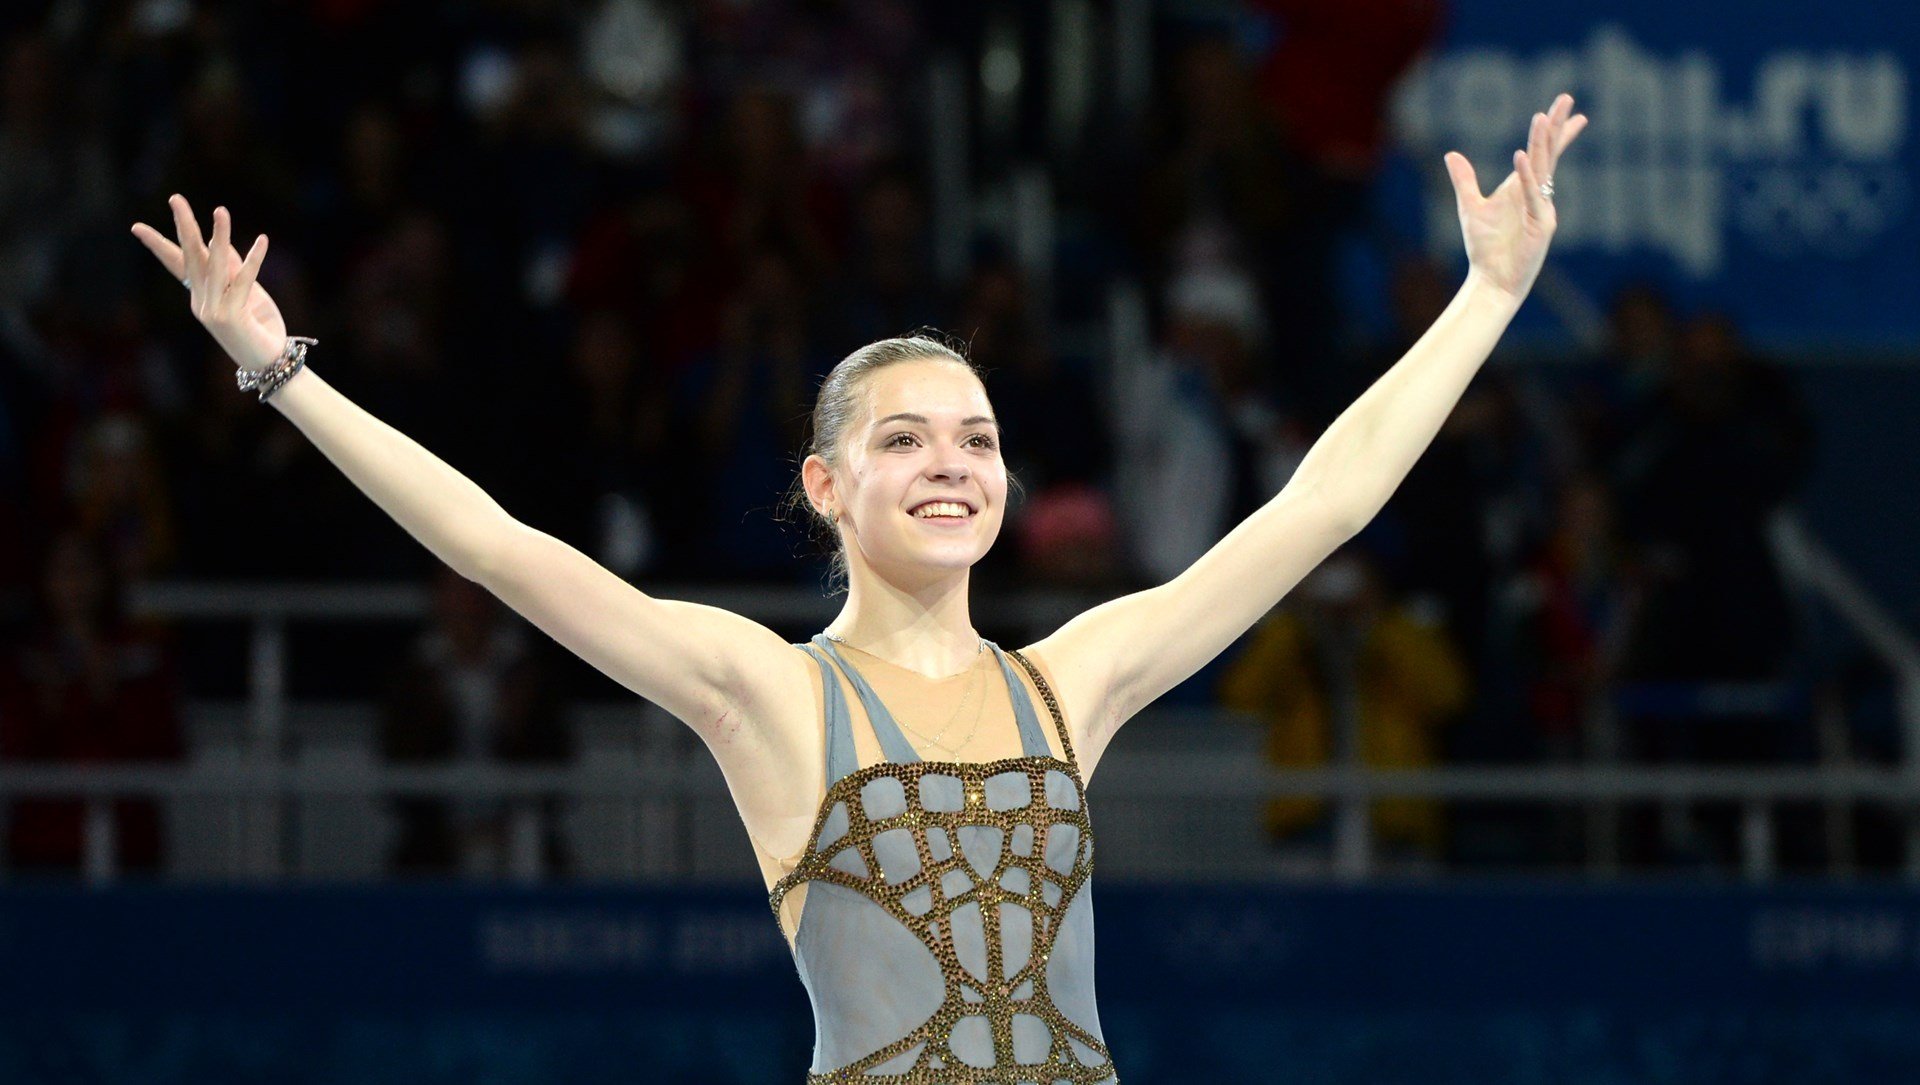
225,298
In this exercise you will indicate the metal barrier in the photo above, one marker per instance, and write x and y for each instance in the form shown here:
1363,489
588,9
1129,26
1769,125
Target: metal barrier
1217,777
255,775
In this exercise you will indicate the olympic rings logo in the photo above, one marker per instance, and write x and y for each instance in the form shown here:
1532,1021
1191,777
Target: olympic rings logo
1833,209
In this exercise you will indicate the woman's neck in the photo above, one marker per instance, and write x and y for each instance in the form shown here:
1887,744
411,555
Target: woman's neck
928,628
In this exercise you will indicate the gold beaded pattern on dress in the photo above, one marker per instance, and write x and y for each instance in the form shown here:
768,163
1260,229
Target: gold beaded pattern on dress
966,996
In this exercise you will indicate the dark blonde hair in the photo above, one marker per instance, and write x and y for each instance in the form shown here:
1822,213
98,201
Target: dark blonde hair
838,406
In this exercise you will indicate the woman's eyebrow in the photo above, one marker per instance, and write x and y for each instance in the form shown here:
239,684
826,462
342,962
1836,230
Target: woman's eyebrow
922,420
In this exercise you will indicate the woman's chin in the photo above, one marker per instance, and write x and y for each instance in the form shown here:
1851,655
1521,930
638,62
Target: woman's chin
956,555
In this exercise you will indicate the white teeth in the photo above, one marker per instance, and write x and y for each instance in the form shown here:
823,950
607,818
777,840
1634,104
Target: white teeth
940,508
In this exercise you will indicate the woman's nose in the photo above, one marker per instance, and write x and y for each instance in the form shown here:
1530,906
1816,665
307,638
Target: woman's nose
951,466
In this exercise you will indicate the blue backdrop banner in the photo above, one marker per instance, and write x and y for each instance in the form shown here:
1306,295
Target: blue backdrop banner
1757,159
1437,985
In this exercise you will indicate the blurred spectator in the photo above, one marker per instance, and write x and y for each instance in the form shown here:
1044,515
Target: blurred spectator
1343,673
755,190
624,502
1333,69
1419,289
843,63
1611,396
645,258
1327,83
1568,618
887,287
97,387
237,469
90,686
410,358
222,155
1201,445
121,497
533,144
1461,522
1050,437
749,404
633,52
353,207
1555,653
58,175
399,295
1215,163
473,691
1068,537
1727,442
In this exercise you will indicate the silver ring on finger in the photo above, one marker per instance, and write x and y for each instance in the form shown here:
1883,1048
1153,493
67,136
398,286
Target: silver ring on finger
1546,189
188,283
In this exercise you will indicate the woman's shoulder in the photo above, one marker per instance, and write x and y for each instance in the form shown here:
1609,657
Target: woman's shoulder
1036,654
776,692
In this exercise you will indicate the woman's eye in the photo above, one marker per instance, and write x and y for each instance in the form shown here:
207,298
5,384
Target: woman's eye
983,441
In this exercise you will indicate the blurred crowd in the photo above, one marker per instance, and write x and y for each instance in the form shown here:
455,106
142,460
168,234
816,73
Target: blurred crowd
597,255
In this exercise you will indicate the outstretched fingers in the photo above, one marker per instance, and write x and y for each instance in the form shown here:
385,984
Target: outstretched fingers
1537,206
1539,138
163,250
206,265
1568,133
219,269
1562,128
1466,187
193,249
250,269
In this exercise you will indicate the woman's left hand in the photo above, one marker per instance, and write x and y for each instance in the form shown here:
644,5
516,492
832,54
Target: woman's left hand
1507,233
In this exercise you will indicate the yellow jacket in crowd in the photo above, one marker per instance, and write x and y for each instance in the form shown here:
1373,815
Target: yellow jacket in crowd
1411,681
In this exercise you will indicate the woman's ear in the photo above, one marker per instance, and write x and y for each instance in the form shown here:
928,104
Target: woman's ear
817,477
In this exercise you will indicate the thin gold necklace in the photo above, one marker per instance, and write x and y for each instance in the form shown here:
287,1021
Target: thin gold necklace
933,741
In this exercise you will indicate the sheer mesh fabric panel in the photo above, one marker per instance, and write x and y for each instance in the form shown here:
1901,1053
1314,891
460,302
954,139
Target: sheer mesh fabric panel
948,922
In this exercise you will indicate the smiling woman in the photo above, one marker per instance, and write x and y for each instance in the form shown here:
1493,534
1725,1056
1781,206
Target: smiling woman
939,910
857,408
949,936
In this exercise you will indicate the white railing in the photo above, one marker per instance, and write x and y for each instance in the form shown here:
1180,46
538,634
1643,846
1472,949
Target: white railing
679,794
1214,760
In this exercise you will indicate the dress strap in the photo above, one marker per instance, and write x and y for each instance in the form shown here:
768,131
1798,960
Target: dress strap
841,760
1033,741
1053,706
893,745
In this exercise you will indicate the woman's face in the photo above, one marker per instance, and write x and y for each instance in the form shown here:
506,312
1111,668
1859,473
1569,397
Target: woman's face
928,435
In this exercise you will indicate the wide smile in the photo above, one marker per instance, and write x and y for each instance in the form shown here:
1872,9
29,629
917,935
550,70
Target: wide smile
943,513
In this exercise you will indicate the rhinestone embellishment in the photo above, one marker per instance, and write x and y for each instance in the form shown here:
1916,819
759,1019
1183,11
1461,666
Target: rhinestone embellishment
963,879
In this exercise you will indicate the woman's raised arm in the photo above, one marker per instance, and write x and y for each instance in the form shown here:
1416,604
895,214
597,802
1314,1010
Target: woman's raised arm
1118,657
699,663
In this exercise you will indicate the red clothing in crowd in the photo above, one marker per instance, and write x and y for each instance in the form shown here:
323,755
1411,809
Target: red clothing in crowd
1331,73
65,702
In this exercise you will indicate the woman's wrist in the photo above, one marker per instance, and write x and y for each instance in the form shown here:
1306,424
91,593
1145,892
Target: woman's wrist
293,390
291,360
1486,295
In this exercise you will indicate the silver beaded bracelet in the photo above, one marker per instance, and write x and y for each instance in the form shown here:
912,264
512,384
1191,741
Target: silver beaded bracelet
292,359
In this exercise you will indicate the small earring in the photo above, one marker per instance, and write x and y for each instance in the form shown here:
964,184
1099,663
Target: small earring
833,517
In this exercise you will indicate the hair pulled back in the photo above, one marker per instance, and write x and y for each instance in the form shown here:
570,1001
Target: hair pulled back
838,407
